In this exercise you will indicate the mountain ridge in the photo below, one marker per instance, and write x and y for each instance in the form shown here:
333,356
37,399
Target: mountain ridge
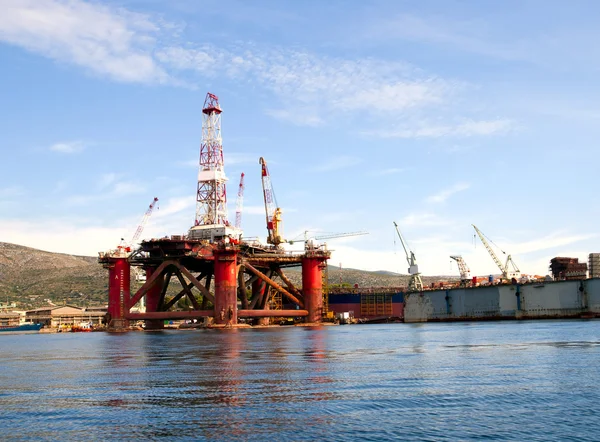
33,278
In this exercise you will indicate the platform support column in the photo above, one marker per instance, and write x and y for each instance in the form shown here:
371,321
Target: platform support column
312,287
153,296
119,292
259,288
226,286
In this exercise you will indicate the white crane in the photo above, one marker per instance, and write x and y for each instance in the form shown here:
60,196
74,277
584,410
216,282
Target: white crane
506,274
465,273
239,203
415,283
308,240
124,248
143,222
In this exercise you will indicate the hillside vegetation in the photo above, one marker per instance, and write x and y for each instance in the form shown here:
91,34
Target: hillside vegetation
29,277
34,278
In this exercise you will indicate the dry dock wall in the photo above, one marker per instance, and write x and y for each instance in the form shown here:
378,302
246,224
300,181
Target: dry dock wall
560,299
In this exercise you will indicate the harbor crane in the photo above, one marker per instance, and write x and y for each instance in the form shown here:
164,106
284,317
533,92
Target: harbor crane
506,273
465,273
239,203
124,248
415,283
272,210
140,228
308,240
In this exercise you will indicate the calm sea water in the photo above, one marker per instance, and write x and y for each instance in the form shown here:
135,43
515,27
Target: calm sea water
518,381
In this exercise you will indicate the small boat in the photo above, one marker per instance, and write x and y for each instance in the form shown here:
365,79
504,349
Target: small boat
24,327
82,327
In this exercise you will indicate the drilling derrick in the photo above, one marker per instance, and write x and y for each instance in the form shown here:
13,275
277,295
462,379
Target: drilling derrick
211,197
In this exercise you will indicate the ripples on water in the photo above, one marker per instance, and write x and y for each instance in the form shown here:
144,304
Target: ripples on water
462,381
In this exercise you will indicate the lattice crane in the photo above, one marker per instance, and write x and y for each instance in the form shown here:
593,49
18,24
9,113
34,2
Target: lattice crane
327,236
463,268
140,227
415,283
515,273
239,203
124,248
272,210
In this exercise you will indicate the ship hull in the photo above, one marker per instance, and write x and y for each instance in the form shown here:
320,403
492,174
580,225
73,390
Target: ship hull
22,328
557,299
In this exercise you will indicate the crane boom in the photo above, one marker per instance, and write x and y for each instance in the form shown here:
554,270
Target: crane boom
239,203
415,282
516,273
308,239
272,211
465,273
140,228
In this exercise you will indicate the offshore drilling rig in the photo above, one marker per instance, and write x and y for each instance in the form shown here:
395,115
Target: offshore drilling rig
222,276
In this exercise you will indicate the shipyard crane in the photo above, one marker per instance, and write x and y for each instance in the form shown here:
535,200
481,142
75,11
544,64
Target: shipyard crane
506,274
465,273
415,283
272,211
124,248
239,203
308,239
142,224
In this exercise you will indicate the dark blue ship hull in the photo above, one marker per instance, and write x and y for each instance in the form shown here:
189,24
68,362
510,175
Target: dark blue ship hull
21,328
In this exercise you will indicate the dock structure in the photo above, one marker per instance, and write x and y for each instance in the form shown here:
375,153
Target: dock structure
221,280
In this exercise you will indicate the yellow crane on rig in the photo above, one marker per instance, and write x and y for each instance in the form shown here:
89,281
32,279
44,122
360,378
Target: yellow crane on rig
272,210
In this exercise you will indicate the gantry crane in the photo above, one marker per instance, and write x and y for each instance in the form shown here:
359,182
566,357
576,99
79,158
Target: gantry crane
239,203
272,210
506,274
415,283
465,273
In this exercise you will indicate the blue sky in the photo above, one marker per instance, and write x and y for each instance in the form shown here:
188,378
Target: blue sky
433,114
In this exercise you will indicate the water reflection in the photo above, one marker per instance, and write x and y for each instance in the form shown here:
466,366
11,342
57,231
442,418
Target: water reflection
448,381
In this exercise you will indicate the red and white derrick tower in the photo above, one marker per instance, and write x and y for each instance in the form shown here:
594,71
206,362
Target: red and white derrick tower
211,197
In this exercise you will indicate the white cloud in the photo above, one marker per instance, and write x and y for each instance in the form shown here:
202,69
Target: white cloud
447,193
68,147
130,47
297,117
304,82
397,96
341,162
61,236
254,210
110,185
232,158
470,36
423,219
391,171
106,180
550,241
467,128
127,188
10,192
108,41
173,206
